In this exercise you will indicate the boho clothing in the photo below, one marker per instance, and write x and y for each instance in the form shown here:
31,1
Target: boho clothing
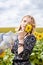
23,57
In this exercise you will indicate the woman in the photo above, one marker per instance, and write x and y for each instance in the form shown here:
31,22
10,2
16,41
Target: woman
24,43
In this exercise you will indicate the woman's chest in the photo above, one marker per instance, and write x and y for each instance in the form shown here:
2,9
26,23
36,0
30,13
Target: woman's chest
18,48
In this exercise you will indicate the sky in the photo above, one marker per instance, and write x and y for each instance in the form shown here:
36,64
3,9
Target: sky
12,12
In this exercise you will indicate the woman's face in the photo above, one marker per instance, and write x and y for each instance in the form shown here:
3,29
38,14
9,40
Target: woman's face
25,21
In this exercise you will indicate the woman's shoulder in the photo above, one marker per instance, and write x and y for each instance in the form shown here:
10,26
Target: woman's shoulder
30,38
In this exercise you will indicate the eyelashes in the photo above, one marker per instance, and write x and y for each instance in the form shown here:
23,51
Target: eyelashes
24,20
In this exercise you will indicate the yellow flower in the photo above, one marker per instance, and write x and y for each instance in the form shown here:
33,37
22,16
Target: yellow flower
2,55
39,37
42,34
35,33
28,28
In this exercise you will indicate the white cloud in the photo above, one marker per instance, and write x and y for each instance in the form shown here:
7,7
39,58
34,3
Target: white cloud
8,15
7,3
12,11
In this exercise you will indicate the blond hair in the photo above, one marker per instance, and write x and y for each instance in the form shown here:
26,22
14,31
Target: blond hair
32,23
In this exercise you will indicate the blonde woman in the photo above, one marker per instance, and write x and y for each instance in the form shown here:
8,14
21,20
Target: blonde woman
25,42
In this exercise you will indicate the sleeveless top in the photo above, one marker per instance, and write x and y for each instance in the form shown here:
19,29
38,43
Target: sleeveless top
29,43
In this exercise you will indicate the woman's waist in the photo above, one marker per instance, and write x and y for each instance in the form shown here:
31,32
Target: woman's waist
20,60
17,58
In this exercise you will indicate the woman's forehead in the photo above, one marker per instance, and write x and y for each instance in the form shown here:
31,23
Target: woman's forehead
27,19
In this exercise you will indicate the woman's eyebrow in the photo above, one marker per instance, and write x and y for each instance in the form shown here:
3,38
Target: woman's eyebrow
24,20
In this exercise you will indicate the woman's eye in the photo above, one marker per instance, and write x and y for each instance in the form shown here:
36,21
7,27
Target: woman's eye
24,20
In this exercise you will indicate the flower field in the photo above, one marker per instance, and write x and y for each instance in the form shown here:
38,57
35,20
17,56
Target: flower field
37,54
6,57
36,57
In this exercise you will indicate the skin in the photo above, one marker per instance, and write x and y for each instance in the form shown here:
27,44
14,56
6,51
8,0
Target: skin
22,33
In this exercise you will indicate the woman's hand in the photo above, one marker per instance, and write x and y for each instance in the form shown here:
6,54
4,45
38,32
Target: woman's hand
21,35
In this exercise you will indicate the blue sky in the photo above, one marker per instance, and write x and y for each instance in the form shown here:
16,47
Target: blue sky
12,11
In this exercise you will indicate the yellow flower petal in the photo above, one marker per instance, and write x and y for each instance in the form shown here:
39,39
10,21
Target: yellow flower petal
2,55
39,37
35,33
28,28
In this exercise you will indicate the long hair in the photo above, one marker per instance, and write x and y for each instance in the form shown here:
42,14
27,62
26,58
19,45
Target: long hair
32,23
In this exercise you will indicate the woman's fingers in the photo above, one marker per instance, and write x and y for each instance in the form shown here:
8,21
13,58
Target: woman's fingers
21,33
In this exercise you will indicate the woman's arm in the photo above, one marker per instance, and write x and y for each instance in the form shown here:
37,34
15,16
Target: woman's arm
29,43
